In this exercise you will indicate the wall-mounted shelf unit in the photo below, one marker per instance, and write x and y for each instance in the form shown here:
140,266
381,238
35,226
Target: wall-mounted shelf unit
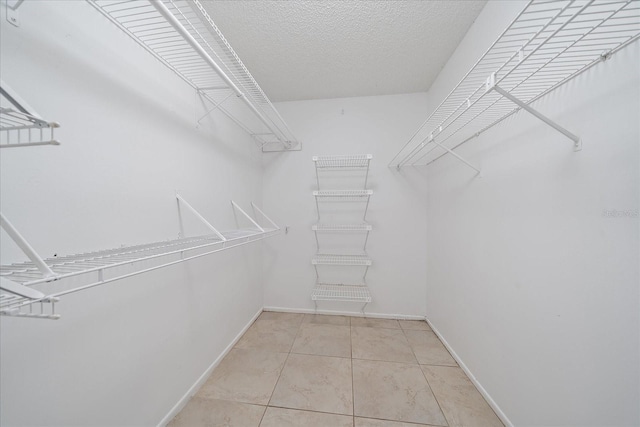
182,35
341,259
341,292
547,44
347,291
31,289
343,194
346,161
20,126
18,129
341,227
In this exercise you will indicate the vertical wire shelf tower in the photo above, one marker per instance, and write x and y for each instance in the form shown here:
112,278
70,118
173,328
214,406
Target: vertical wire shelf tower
344,291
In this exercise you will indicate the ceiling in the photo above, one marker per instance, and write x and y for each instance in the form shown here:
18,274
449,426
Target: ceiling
331,49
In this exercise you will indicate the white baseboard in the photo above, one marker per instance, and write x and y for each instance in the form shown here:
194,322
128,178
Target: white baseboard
205,375
345,313
483,392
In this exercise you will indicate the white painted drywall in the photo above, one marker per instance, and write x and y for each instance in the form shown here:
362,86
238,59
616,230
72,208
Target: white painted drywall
126,352
531,283
367,125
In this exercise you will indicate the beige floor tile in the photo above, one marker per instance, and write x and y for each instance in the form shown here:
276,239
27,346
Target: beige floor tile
428,349
414,325
461,403
316,383
280,417
270,335
211,412
375,323
381,344
394,391
323,340
325,319
369,422
245,376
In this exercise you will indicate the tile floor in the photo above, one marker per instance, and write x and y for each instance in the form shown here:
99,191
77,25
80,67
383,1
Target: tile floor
334,371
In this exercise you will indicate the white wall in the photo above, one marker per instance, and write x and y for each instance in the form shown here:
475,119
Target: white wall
368,125
126,352
533,287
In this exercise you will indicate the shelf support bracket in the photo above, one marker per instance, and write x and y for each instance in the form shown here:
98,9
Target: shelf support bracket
491,85
455,155
216,105
200,217
26,248
19,289
247,216
265,216
12,12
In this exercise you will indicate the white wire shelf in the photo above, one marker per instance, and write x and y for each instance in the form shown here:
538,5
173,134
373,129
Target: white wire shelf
341,292
549,43
182,35
341,259
320,227
48,277
343,161
351,194
18,129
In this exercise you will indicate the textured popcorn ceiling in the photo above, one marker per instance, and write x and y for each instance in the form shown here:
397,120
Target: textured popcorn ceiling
329,49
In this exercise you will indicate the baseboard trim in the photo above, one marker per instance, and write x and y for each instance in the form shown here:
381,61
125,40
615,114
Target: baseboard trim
344,313
205,375
503,417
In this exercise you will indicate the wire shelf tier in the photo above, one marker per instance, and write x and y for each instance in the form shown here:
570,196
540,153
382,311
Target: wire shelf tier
99,267
182,35
18,129
549,43
341,259
340,292
346,161
341,227
343,193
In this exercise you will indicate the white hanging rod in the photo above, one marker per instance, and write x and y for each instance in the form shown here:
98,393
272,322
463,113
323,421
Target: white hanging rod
95,267
546,45
184,38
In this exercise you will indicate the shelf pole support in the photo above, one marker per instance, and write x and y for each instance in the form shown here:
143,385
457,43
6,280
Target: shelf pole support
26,247
246,215
577,142
200,217
455,155
265,216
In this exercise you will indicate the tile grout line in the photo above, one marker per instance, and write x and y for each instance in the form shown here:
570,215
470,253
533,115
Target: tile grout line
353,390
281,370
426,379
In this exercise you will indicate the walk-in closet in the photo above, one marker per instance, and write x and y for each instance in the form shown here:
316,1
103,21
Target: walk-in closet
320,213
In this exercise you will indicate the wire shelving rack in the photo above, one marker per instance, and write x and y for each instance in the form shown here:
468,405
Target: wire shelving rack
31,289
546,45
18,129
341,292
182,35
332,291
